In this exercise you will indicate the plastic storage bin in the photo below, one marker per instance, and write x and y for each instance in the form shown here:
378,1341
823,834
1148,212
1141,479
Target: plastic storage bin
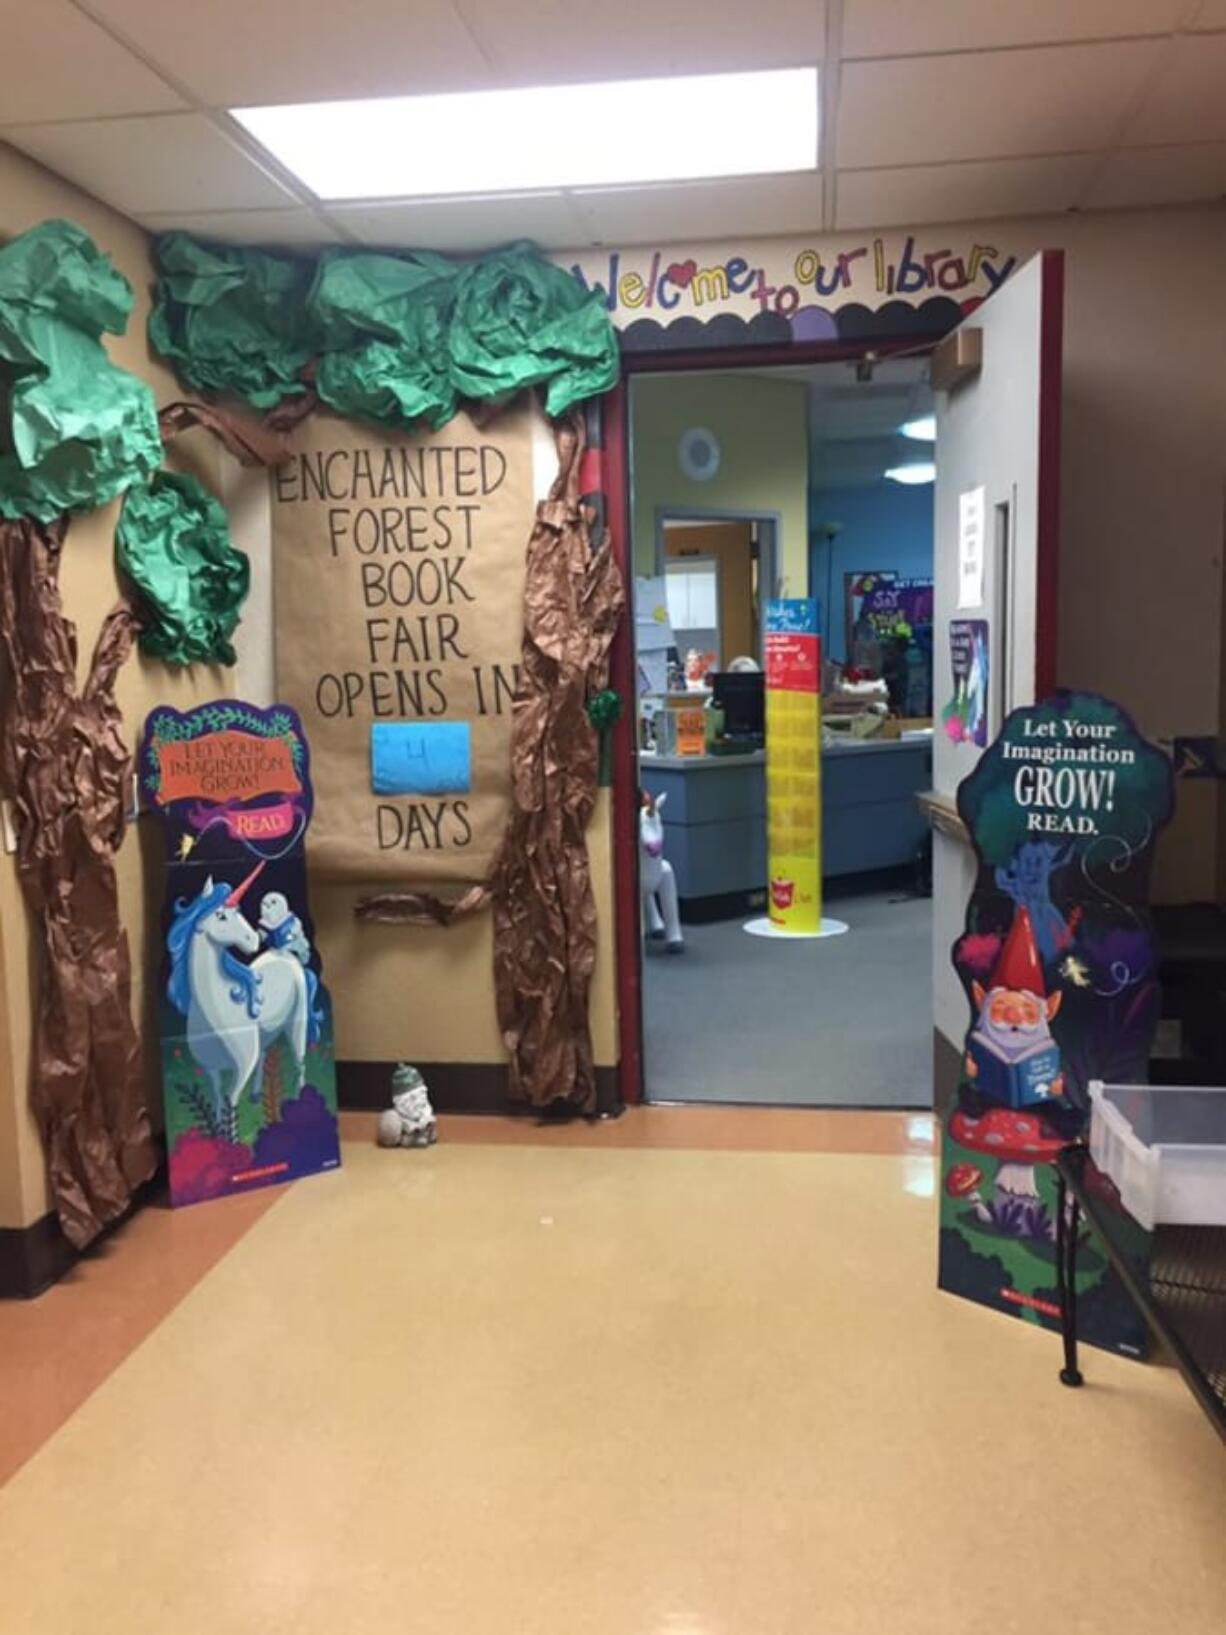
1164,1146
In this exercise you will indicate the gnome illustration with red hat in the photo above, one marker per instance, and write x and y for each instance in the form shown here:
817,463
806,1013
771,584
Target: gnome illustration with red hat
1012,1059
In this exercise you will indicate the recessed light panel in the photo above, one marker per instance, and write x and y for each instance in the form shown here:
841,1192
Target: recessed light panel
514,141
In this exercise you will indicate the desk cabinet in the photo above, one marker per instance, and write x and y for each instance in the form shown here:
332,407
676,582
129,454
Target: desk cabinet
715,814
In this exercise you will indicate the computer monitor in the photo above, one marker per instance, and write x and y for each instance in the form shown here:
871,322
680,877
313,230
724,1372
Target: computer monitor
741,694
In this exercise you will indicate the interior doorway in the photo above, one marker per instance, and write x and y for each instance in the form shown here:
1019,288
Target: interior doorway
780,453
996,554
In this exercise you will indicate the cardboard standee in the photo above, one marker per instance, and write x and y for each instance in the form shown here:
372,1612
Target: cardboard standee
248,1065
794,766
1059,966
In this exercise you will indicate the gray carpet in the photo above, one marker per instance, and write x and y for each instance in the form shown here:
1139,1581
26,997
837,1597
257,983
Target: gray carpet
844,1022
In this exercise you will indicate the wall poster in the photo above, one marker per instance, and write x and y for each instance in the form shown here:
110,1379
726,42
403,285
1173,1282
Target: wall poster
965,717
1059,966
972,537
877,603
248,1066
398,576
794,765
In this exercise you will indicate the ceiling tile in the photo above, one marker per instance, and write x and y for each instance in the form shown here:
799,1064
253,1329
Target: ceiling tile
59,65
548,219
986,105
1175,175
545,41
981,190
264,227
153,163
899,28
701,210
1187,102
241,53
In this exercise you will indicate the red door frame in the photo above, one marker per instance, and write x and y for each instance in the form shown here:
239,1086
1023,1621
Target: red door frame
616,431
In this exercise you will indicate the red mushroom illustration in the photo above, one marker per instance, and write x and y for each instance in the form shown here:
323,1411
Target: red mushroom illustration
1019,1140
963,1182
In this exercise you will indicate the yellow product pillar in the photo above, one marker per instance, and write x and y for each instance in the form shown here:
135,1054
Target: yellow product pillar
794,765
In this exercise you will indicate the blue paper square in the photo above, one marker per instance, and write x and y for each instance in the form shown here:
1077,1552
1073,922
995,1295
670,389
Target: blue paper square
420,758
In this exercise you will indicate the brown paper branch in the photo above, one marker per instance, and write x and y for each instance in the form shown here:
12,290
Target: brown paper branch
419,908
292,411
251,442
66,767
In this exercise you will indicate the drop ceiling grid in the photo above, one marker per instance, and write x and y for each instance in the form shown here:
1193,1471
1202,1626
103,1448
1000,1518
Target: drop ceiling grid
953,110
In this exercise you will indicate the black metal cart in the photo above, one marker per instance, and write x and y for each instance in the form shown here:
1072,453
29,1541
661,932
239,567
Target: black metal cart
1179,1287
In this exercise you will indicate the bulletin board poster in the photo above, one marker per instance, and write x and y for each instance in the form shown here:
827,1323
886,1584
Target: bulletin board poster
399,563
965,718
248,1064
794,765
885,600
1060,970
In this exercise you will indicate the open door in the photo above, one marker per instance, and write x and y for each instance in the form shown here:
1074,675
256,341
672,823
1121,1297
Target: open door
995,566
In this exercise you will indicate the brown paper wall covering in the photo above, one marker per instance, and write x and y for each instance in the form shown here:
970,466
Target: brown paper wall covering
398,572
544,910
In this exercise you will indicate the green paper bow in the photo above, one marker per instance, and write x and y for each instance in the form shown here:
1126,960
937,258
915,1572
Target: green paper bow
604,711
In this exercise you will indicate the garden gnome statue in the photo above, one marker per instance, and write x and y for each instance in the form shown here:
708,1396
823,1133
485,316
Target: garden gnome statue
409,1121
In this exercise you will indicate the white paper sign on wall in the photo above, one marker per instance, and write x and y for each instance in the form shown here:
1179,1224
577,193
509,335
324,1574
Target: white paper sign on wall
972,509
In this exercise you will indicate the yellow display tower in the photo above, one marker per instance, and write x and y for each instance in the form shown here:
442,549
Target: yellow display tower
794,767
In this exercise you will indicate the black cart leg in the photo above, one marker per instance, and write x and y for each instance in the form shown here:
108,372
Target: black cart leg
1068,1221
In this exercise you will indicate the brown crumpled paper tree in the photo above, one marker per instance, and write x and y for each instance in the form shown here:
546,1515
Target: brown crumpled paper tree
65,764
541,889
544,910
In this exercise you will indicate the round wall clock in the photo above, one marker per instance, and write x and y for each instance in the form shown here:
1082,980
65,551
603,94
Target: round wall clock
698,454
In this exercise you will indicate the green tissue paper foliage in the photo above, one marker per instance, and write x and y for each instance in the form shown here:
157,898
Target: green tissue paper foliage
233,320
395,339
384,323
173,544
74,430
521,321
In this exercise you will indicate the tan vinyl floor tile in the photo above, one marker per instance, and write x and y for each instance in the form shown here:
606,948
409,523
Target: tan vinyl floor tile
567,1390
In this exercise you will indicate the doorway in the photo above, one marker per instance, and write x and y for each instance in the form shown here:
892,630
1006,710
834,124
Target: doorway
999,402
728,1017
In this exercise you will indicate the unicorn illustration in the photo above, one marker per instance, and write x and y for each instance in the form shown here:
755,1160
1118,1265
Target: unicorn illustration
235,1011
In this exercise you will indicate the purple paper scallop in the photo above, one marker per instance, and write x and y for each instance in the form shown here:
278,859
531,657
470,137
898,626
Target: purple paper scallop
814,324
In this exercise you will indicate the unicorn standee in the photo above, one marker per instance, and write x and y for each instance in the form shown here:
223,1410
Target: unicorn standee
657,882
236,1012
248,1066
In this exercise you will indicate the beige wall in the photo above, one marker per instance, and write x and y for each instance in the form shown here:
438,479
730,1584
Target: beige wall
1144,490
28,195
762,431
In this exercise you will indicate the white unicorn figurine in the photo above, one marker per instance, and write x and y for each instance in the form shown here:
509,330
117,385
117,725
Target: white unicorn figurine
657,882
235,1011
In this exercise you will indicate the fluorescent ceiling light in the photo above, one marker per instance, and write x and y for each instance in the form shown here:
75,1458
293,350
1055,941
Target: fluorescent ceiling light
923,430
626,131
922,471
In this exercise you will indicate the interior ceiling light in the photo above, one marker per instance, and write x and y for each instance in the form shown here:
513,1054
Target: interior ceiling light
921,471
613,134
923,430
